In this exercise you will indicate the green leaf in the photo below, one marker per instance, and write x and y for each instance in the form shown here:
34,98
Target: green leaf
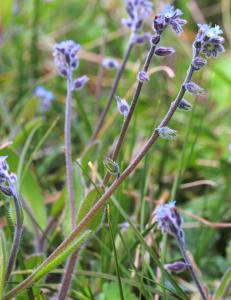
111,291
91,198
2,264
223,285
34,261
91,154
62,257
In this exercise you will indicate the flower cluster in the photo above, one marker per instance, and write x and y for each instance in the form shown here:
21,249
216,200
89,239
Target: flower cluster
45,96
7,180
65,57
138,11
209,40
169,220
169,17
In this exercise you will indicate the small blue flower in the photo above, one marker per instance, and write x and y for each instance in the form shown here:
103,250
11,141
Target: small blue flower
123,106
209,40
80,82
169,17
45,96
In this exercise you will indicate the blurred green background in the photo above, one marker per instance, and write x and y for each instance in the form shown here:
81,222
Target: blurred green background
194,169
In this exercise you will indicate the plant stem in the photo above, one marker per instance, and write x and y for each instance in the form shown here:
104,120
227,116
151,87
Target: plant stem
67,276
113,89
131,111
68,152
95,209
192,271
17,237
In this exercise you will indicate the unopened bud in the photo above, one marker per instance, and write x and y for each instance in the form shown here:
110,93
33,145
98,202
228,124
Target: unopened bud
140,39
110,63
155,39
166,133
143,76
80,82
164,51
123,106
193,88
198,63
112,166
185,105
177,267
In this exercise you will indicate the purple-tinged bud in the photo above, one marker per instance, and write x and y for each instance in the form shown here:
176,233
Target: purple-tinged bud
80,82
166,133
193,88
110,63
155,39
185,105
169,220
112,166
164,51
177,267
143,76
123,106
198,63
140,39
13,178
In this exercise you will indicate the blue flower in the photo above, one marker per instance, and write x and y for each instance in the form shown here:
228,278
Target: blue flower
169,17
45,96
209,40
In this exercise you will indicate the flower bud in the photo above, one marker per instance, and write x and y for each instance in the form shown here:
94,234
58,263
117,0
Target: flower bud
110,63
123,106
155,39
193,88
80,82
169,220
198,63
185,105
177,267
140,39
143,76
166,133
112,166
164,51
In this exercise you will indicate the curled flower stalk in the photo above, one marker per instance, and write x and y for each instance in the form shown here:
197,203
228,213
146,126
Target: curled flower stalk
137,11
169,17
170,221
8,188
66,60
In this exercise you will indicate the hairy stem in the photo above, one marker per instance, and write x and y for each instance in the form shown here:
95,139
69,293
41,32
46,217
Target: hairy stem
113,90
192,271
95,209
131,111
67,276
68,152
17,237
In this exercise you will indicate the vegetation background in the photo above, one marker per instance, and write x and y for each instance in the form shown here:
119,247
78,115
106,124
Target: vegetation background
194,169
